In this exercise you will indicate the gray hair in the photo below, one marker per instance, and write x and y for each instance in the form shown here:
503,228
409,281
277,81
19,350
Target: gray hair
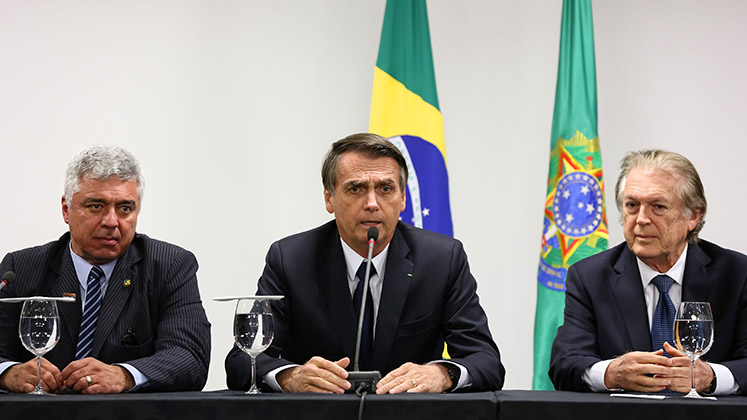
369,145
690,189
101,162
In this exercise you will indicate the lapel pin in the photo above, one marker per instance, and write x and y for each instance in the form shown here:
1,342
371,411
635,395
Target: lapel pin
127,283
409,274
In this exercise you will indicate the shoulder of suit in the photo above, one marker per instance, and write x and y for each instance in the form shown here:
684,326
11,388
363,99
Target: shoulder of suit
52,247
718,253
312,235
607,257
414,235
143,244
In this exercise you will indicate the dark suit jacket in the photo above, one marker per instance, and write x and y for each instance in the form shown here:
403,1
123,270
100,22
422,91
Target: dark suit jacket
428,297
156,323
605,311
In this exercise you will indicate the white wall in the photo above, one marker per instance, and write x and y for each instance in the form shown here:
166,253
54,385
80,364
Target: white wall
230,106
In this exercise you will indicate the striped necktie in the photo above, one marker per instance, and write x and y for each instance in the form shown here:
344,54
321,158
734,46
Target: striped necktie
91,313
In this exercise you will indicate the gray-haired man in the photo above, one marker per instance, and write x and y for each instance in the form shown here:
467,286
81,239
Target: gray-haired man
138,322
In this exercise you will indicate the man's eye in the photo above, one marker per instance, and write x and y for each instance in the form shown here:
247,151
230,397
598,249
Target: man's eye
386,189
94,206
126,209
354,189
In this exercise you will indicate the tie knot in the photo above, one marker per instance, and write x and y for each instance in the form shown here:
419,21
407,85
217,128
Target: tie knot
361,273
663,283
96,271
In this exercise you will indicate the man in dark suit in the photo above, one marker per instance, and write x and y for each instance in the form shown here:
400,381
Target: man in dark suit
422,292
613,299
138,322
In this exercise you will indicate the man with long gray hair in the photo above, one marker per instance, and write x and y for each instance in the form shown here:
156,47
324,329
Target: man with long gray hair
621,303
138,321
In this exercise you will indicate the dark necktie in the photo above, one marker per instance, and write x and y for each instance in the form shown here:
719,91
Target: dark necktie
366,352
91,313
663,322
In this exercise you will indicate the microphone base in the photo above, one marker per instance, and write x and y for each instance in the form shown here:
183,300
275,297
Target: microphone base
363,381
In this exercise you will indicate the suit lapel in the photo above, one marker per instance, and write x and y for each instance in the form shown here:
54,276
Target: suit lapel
696,284
117,293
631,302
334,283
65,280
397,280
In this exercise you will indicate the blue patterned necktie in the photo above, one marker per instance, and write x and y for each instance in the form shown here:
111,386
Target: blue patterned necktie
663,322
366,352
91,313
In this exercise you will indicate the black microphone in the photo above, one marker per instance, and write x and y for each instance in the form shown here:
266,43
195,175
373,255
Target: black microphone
8,277
364,381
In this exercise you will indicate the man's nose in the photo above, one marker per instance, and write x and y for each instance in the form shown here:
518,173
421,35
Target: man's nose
110,219
372,203
642,217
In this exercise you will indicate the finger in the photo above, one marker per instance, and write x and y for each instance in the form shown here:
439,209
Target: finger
405,386
69,369
394,385
343,363
322,363
49,381
673,351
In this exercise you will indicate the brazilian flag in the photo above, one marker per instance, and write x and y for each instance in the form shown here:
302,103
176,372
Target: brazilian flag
404,108
575,221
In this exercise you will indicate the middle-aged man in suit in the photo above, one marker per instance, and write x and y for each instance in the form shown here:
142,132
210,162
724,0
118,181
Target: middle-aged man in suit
613,299
138,322
422,292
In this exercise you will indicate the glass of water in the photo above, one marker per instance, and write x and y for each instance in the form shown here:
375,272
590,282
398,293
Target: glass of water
253,331
39,330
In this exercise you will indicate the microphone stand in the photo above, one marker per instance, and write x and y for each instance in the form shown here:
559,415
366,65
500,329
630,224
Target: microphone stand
364,381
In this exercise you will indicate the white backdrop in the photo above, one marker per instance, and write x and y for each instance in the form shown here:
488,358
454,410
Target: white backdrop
230,106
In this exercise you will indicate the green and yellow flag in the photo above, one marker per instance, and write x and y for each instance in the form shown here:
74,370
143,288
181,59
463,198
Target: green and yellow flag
404,108
575,225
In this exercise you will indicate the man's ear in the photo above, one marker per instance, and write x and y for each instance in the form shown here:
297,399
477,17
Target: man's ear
65,210
328,202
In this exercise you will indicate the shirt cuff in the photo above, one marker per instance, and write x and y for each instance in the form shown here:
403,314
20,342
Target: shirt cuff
725,383
594,376
464,379
140,379
3,367
271,378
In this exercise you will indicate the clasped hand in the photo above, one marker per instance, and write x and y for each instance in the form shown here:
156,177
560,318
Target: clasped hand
654,372
321,375
104,379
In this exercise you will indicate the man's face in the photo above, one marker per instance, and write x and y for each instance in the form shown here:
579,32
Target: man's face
102,218
367,194
655,221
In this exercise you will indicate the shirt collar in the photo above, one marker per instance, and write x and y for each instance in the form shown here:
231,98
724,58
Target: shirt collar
676,272
83,267
353,260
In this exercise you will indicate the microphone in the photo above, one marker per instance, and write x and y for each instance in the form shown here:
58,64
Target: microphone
364,381
8,278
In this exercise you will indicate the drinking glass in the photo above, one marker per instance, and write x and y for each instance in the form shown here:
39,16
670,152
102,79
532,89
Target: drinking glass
693,334
39,331
253,331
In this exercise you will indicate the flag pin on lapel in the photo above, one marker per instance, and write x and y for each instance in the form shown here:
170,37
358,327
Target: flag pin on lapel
127,283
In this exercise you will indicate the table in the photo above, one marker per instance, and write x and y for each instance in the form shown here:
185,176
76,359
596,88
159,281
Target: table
502,405
558,405
221,405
